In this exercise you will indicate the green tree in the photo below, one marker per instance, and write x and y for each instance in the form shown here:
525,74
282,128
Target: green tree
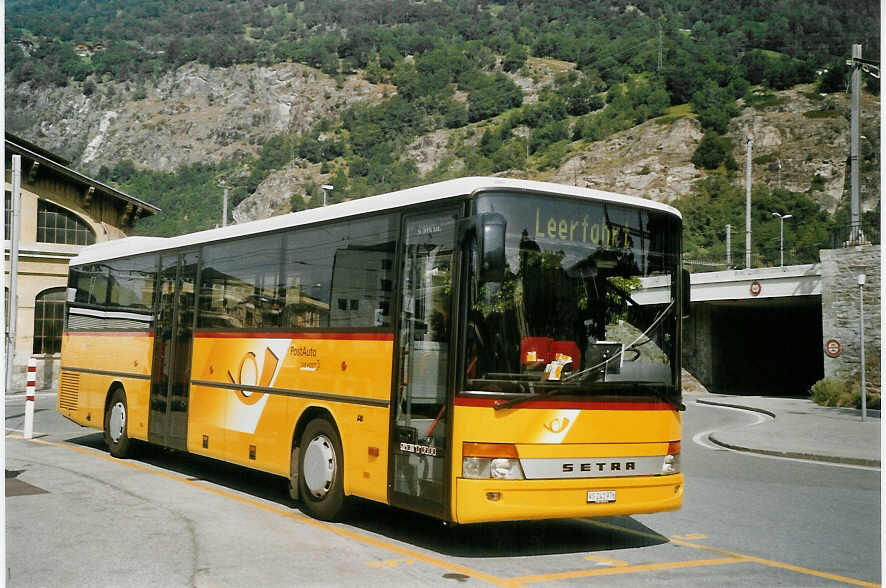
492,95
515,58
714,151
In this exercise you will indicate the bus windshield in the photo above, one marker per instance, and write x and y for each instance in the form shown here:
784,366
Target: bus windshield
562,320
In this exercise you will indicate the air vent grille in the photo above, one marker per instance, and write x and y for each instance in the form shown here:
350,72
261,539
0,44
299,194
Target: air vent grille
69,390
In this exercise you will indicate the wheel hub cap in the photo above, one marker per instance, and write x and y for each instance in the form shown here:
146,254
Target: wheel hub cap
117,421
319,466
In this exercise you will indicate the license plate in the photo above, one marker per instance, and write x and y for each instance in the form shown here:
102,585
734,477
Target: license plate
601,496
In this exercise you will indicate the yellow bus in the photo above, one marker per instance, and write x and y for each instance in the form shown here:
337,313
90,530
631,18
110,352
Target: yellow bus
468,349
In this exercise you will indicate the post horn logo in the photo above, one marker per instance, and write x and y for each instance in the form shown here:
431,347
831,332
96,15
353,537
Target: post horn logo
557,425
248,375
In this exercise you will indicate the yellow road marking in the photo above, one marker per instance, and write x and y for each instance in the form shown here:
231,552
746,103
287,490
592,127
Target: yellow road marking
750,558
671,565
391,563
372,541
731,557
608,561
690,536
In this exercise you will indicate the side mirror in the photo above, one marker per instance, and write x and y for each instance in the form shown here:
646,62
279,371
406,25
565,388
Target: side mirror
490,231
685,288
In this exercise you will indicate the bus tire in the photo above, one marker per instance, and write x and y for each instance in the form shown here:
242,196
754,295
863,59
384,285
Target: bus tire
115,421
321,469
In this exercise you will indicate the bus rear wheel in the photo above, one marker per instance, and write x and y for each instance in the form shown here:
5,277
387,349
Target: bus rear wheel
116,414
321,470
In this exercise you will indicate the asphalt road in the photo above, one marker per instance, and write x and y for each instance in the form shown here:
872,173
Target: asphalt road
77,517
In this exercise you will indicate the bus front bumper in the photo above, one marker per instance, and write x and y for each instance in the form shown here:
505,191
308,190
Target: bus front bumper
510,500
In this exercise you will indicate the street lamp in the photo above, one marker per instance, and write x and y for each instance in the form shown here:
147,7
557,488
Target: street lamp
781,218
325,188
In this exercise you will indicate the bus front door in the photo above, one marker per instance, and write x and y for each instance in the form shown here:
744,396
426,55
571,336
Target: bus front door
419,445
173,340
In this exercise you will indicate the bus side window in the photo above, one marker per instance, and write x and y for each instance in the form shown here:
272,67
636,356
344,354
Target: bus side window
363,273
239,283
132,282
307,267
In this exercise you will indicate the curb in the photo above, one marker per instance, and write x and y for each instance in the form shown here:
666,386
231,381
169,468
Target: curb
738,406
797,455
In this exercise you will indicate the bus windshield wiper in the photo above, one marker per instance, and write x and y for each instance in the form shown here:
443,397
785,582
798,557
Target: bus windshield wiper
510,402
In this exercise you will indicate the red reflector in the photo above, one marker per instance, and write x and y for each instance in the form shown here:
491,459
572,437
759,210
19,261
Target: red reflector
373,452
489,450
673,448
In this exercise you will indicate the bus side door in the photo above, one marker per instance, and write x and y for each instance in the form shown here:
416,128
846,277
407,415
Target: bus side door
173,342
419,444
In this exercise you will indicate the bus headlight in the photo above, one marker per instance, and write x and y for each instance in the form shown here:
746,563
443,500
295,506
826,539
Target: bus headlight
498,461
475,467
671,462
506,469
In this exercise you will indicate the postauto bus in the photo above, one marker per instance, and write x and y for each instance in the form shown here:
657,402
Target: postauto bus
468,349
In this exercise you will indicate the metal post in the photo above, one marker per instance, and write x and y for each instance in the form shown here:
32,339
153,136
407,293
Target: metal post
225,208
855,100
12,317
781,240
30,398
747,216
3,282
728,245
864,401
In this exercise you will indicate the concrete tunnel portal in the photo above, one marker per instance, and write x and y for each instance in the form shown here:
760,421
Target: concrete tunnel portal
769,347
751,332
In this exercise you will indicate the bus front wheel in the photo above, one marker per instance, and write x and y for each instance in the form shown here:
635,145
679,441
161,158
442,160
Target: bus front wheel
320,471
118,442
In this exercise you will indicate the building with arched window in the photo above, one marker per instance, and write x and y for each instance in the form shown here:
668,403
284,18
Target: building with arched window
62,211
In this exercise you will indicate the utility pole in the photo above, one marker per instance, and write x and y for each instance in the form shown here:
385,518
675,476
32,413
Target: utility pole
747,215
11,319
3,281
779,174
855,101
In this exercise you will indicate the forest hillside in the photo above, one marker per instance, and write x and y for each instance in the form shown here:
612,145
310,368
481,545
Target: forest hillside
175,102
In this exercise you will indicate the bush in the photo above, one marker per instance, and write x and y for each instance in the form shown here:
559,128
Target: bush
829,392
834,392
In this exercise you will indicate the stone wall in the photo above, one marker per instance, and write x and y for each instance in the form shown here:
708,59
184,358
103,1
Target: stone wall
697,344
840,308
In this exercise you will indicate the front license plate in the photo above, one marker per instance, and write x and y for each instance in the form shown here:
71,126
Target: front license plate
601,496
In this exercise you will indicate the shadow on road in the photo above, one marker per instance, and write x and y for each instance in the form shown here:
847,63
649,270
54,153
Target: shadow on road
509,539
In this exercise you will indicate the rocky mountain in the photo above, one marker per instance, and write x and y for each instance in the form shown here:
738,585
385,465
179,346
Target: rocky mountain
194,114
202,114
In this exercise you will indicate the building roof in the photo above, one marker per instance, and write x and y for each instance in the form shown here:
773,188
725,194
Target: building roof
422,194
60,165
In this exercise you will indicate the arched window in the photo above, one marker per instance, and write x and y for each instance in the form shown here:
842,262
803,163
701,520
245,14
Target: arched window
57,225
49,320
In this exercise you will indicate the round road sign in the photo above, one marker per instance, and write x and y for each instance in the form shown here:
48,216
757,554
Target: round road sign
832,348
756,288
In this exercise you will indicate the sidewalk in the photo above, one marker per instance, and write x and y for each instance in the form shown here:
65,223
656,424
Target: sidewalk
799,428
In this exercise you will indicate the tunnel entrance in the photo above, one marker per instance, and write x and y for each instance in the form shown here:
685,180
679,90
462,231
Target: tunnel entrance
763,347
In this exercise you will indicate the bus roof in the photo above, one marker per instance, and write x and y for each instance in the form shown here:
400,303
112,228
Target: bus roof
410,196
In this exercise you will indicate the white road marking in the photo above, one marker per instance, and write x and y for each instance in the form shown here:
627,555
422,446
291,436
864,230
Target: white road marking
701,439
